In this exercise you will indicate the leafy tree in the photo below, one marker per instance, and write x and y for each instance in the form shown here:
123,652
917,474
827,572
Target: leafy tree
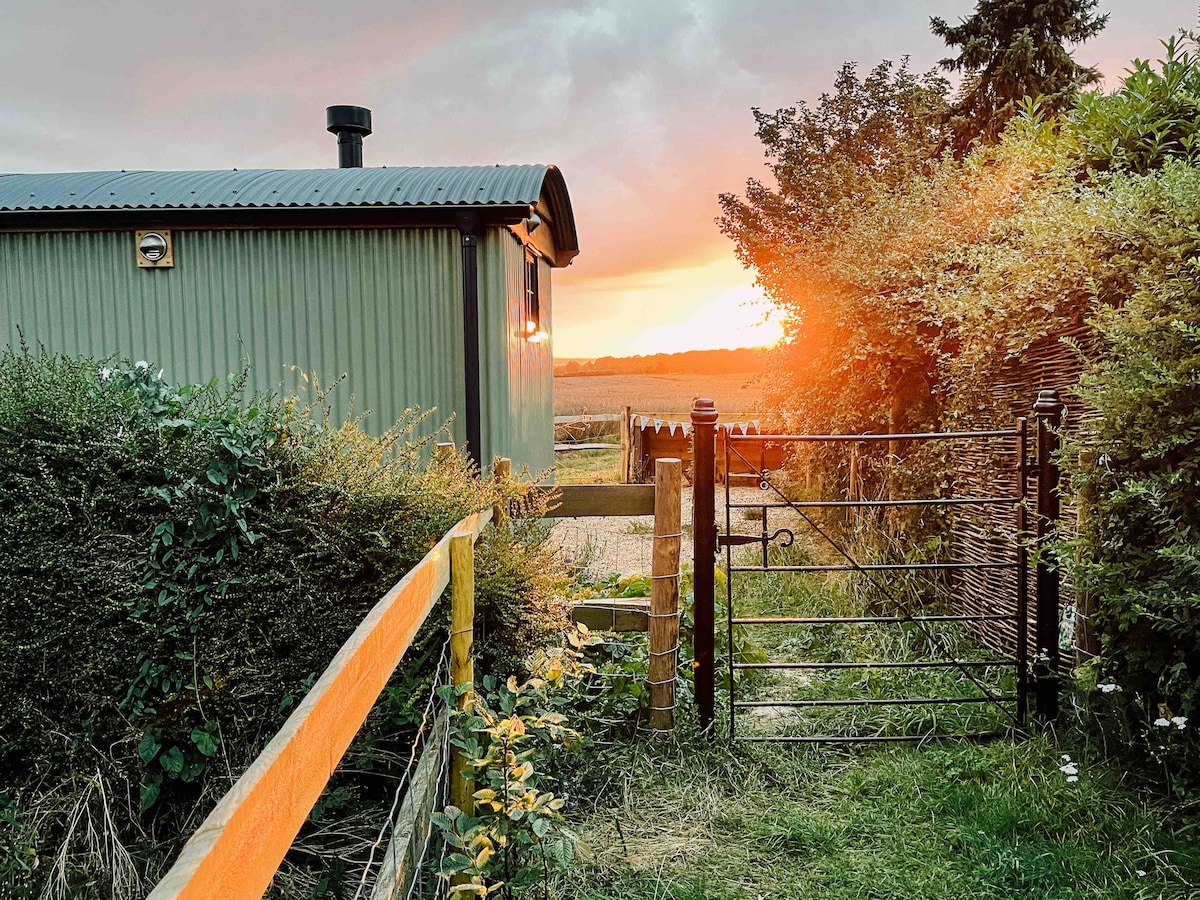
1012,49
1138,460
1154,116
875,130
832,163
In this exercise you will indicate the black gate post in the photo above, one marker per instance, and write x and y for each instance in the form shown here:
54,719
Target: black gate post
1048,412
704,545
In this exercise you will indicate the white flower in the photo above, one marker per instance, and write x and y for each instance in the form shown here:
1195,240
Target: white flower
1066,757
159,375
1162,722
105,373
1071,778
143,365
1179,721
1108,688
1069,769
1141,873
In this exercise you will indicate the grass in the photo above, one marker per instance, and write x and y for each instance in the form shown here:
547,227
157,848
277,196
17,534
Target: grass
686,818
587,467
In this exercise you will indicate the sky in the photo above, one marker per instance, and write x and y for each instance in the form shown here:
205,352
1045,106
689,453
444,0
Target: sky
645,106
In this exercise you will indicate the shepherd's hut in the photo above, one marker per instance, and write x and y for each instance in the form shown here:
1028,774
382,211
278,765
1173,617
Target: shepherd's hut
426,287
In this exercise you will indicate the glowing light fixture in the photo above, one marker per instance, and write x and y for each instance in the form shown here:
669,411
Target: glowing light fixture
531,306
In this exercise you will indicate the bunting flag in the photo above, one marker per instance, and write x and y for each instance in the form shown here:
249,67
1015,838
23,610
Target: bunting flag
643,421
640,421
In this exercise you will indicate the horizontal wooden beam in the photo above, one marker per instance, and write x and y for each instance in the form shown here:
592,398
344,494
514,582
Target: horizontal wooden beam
632,614
567,446
235,852
585,418
603,500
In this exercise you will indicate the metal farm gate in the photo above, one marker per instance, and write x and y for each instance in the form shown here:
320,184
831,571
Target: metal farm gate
1002,683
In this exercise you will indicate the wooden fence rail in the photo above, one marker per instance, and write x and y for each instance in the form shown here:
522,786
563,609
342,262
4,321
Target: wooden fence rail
659,613
235,853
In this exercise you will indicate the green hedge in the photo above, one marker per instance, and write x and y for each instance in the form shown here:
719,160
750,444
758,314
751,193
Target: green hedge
178,566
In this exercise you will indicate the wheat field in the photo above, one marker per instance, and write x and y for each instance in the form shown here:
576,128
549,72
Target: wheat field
734,395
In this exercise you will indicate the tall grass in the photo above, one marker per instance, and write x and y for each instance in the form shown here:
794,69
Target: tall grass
855,595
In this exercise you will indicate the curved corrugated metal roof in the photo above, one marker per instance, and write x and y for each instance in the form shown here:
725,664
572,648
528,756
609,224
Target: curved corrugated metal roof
276,188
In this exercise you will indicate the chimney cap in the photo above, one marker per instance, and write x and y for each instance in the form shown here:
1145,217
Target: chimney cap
355,119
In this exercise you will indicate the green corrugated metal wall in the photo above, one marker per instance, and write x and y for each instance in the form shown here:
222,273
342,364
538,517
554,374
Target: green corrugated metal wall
382,305
517,389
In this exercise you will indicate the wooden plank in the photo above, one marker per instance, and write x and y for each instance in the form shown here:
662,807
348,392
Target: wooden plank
664,592
236,850
631,614
586,418
411,831
501,472
564,447
626,446
603,500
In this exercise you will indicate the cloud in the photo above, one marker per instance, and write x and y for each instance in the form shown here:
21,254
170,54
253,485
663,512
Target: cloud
643,104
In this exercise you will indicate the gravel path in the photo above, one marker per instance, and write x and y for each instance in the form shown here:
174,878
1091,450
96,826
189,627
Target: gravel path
607,544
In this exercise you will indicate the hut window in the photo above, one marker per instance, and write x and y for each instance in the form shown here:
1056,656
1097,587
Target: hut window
531,313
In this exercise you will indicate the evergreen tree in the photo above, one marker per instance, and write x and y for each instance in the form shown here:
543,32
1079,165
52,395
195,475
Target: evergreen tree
1012,49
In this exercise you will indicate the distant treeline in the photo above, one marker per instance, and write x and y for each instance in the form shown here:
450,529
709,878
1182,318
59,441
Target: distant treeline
690,362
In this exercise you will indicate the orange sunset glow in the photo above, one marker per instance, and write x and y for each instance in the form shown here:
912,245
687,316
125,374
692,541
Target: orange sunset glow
706,307
645,108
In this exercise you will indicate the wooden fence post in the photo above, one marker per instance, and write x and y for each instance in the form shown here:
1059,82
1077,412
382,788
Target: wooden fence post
501,471
626,446
462,668
664,592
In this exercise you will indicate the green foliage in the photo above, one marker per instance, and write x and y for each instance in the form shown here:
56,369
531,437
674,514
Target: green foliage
179,562
1010,50
521,584
830,162
1137,464
18,852
1154,116
506,733
826,158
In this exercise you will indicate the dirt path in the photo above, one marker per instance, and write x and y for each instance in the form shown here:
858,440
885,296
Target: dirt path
607,544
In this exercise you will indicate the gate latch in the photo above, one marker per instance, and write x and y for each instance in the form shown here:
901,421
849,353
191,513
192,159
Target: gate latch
738,540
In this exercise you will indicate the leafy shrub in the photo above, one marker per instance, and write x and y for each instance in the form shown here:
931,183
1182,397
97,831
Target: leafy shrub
1138,461
1153,117
179,564
521,586
507,732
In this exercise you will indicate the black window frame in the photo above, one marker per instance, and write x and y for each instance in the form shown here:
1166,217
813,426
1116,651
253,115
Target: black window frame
531,303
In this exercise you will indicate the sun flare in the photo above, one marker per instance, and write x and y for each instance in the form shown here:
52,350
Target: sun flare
709,307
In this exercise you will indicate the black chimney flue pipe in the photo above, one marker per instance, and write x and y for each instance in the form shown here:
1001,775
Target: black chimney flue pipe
351,124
